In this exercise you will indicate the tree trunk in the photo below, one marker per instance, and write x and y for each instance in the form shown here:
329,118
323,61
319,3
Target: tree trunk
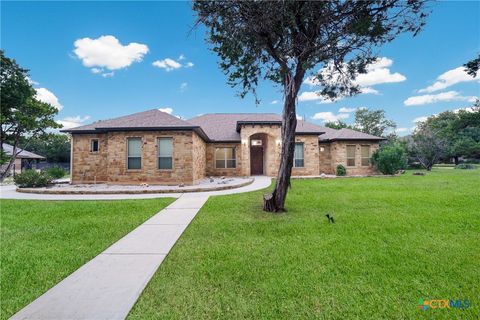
276,202
3,173
455,158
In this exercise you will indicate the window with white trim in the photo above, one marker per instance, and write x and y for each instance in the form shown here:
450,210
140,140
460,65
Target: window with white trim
365,152
94,145
351,155
225,158
298,158
134,153
165,153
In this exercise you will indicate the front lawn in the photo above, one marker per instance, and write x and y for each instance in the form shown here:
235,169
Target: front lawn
42,242
394,241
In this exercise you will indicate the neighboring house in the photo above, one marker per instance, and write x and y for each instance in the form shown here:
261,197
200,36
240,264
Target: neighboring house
158,148
24,159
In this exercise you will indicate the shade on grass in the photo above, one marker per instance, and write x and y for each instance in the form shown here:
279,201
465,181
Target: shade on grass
394,241
42,242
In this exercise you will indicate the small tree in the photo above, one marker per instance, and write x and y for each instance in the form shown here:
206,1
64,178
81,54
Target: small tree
337,125
373,122
22,115
428,146
282,40
472,66
390,158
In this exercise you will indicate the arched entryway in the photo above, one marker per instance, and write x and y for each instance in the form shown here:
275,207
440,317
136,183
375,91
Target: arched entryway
258,145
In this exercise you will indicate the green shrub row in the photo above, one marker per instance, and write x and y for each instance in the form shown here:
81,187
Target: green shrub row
34,179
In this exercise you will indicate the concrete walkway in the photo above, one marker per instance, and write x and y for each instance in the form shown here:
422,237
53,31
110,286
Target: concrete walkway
108,286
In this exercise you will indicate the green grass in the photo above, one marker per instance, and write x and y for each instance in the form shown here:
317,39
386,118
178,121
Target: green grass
395,240
42,242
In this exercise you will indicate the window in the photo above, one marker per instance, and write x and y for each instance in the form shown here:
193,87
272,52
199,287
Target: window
165,153
134,153
365,155
94,145
225,158
298,160
350,156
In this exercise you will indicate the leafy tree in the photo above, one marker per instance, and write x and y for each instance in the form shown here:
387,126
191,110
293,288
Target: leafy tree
460,130
21,115
373,122
337,125
472,66
428,146
54,147
282,40
390,158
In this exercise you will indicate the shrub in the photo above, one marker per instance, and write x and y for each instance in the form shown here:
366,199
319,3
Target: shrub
32,179
466,166
56,172
390,158
341,171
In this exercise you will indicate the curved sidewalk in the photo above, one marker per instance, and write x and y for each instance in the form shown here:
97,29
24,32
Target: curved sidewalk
9,192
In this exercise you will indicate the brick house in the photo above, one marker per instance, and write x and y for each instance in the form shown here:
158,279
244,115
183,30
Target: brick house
158,148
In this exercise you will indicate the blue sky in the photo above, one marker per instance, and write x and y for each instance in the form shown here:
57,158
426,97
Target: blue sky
99,60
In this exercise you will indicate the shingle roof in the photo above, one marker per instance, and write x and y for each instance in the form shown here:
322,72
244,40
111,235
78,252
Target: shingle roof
214,126
223,126
347,134
147,119
24,154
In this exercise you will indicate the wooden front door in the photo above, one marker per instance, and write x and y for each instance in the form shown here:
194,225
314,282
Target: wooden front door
256,160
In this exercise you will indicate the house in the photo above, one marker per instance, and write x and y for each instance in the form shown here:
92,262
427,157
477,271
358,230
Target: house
158,148
23,160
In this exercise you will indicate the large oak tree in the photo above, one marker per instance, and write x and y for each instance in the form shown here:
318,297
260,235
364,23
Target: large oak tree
283,40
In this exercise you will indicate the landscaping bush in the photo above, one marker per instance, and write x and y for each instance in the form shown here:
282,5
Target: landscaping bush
32,179
466,166
341,171
390,158
56,172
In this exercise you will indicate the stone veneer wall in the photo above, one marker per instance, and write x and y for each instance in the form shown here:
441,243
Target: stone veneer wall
210,160
310,156
272,149
338,150
89,167
110,164
199,158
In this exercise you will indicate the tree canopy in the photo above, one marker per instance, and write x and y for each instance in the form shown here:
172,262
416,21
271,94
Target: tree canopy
21,115
283,40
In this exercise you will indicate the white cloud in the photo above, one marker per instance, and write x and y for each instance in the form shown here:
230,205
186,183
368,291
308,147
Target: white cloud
420,119
274,102
183,86
45,95
329,116
313,96
378,72
96,70
166,110
189,65
299,117
32,82
107,52
72,122
167,64
450,78
181,57
433,98
346,110
368,90
108,74
400,130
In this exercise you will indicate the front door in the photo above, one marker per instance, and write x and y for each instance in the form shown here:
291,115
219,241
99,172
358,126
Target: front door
256,160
